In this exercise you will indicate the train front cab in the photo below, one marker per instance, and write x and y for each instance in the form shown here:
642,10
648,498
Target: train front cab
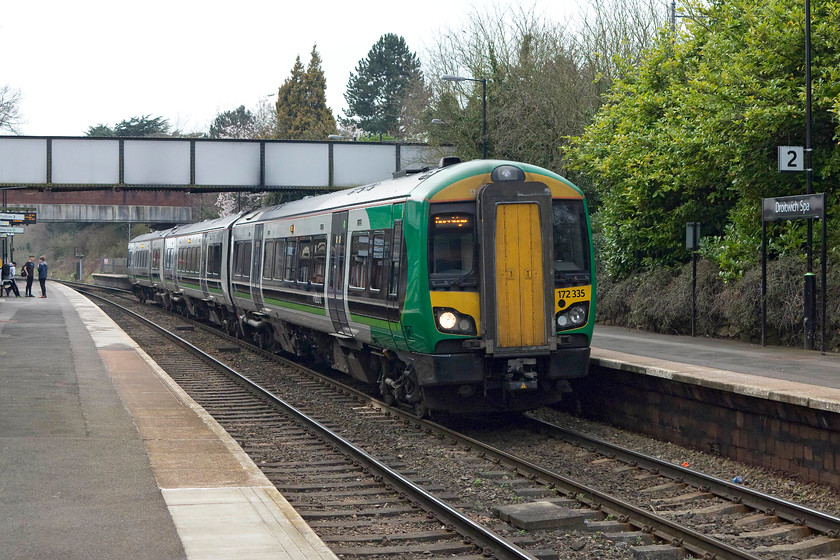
528,290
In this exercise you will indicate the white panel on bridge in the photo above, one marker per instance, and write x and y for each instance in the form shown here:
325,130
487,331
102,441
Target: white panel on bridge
23,160
420,156
300,165
157,162
227,163
357,164
86,162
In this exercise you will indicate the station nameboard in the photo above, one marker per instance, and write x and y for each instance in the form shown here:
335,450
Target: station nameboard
19,216
794,207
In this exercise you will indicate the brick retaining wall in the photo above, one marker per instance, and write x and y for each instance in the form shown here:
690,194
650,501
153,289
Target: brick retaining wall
766,433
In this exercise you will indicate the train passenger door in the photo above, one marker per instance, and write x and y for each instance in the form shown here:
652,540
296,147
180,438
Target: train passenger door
202,271
396,282
335,281
256,267
519,273
517,302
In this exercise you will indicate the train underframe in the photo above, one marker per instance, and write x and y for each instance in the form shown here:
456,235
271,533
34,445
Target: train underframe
467,382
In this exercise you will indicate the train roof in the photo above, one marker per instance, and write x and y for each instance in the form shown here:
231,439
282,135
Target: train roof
417,186
206,225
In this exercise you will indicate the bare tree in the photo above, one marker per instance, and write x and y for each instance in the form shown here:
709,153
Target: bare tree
10,117
545,80
613,34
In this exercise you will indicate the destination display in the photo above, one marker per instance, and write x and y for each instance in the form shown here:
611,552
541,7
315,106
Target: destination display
18,216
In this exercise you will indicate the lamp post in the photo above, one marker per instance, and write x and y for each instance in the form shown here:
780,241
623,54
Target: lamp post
452,78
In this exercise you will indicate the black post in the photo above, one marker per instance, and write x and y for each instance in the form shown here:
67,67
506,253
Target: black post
810,307
693,292
810,310
483,118
763,283
824,286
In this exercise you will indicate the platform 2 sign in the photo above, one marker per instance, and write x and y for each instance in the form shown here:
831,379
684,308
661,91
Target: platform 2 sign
794,207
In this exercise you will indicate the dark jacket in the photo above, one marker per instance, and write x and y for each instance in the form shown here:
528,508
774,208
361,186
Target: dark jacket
42,270
29,269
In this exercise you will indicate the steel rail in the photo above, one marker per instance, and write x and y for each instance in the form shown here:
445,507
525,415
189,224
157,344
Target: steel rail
770,505
669,531
479,535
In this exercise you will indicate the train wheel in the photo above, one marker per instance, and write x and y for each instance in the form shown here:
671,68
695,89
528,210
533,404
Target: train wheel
420,410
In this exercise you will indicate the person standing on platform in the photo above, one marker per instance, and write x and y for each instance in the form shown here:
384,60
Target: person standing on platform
29,274
12,284
42,274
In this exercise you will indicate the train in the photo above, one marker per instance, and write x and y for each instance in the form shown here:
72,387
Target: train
468,287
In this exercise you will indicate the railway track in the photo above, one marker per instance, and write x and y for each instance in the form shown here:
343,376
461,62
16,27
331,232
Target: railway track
671,506
319,467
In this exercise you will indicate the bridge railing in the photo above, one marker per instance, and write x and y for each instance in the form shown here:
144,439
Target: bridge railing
196,164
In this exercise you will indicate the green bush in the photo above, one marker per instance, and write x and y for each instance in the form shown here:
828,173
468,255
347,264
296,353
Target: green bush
660,301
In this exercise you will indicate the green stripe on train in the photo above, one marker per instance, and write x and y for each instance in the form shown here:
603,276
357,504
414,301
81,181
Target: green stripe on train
314,310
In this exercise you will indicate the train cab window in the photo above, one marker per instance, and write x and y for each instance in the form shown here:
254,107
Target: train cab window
377,261
451,246
304,260
268,263
214,260
242,259
169,259
279,259
359,256
571,243
319,259
291,253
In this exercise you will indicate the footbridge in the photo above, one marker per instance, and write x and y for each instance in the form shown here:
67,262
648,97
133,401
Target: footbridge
148,180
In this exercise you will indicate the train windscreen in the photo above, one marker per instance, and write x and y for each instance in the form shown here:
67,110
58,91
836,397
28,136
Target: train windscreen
452,248
571,243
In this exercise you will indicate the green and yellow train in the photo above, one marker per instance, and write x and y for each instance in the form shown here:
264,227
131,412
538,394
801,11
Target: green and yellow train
464,288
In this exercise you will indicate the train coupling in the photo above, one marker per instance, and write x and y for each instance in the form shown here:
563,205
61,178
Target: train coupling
521,374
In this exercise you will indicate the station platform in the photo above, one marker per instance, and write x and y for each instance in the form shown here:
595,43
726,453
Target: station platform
791,375
102,455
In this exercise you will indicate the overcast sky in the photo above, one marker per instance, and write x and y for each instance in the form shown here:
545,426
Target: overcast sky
79,63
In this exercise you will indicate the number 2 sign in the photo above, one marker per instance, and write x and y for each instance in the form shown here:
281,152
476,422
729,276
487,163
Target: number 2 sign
791,158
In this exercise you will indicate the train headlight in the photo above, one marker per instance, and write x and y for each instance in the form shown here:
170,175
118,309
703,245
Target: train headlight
507,173
447,320
450,321
575,316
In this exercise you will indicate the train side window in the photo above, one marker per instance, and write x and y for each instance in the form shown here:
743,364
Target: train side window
279,259
170,256
268,263
359,257
377,261
304,260
214,260
242,259
180,259
156,259
319,259
291,253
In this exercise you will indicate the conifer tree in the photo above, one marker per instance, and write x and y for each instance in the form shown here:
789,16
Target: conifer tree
302,112
376,93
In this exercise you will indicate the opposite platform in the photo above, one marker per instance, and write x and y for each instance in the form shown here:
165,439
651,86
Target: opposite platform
103,455
791,375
